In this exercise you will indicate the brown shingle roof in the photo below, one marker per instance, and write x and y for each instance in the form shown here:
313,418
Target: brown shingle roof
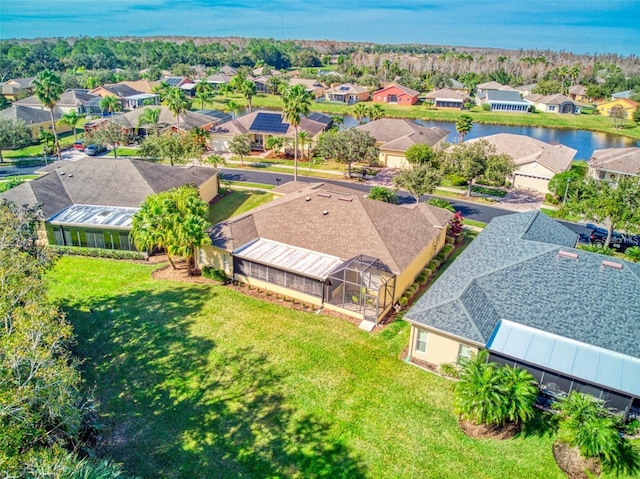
353,225
618,160
446,94
399,135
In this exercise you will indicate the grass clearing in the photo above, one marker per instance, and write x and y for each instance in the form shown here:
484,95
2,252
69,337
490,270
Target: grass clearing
236,203
476,224
198,381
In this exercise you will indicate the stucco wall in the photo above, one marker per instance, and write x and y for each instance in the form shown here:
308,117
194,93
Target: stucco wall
209,189
216,258
535,169
441,349
393,160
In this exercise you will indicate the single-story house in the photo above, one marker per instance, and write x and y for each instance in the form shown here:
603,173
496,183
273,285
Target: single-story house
457,86
331,247
15,87
73,99
523,292
143,86
493,86
176,81
347,93
447,98
261,83
622,94
395,136
611,164
536,161
503,100
629,106
35,118
526,90
578,93
260,125
396,94
557,103
312,86
228,70
218,79
141,99
90,202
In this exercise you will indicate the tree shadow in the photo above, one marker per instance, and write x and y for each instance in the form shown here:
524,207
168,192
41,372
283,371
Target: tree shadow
542,424
176,404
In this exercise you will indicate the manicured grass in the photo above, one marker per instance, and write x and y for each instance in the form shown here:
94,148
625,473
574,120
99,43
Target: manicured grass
248,184
66,141
556,214
237,203
198,381
477,224
124,151
463,196
19,177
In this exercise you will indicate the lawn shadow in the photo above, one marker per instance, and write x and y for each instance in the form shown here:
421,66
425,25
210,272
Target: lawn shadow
176,404
543,424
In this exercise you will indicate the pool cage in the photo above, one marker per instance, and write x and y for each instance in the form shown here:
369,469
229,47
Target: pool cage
364,285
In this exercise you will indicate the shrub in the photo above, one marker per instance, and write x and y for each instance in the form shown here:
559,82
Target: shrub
441,203
447,249
403,301
457,180
486,107
215,274
596,248
98,252
449,240
421,277
449,370
633,254
435,263
551,199
440,256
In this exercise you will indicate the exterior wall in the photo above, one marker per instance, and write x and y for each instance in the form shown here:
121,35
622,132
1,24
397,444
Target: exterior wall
279,289
441,349
606,107
36,127
215,257
382,96
531,183
393,159
535,169
220,142
209,189
90,237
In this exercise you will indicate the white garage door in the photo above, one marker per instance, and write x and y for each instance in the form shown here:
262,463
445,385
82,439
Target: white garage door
533,183
220,145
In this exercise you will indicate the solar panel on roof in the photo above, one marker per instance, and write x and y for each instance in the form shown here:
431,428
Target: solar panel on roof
344,88
319,117
269,123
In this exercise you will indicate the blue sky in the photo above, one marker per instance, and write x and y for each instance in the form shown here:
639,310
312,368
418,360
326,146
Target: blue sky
586,26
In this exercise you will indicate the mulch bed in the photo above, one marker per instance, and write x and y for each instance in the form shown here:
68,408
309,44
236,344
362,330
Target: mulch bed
573,464
482,431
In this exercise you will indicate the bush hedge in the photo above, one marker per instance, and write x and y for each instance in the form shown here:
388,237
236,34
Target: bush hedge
215,274
98,252
457,180
403,301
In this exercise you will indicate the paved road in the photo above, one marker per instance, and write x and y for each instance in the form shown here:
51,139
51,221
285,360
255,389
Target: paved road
13,170
470,210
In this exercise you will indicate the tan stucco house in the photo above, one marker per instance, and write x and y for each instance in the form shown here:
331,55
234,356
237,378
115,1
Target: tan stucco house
395,136
612,164
347,93
329,246
523,292
35,118
536,161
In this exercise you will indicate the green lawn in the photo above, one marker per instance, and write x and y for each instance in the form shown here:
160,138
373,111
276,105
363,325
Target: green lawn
66,141
198,381
124,151
236,203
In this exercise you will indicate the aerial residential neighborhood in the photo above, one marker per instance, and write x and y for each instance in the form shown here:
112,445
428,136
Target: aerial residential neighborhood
249,256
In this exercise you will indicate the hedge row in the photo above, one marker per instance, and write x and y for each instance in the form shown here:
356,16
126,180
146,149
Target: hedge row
98,252
215,274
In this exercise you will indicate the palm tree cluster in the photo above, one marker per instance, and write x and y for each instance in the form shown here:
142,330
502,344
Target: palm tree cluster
174,221
494,395
362,111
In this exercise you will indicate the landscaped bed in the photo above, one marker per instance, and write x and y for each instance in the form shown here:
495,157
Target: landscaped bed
202,381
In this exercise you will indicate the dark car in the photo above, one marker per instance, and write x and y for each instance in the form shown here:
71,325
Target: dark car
93,150
619,241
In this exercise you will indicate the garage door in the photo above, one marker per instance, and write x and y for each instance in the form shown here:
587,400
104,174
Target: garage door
220,144
525,182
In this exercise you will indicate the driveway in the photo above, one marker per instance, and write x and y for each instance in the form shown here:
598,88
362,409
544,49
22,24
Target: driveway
521,200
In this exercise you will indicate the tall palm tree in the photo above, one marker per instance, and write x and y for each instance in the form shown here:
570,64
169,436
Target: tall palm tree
204,92
150,116
304,139
248,90
232,107
111,104
72,119
463,126
48,89
149,228
375,111
360,112
296,101
177,101
162,89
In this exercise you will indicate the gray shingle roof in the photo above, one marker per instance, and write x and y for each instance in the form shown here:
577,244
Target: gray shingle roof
102,182
27,114
505,96
513,271
618,160
399,135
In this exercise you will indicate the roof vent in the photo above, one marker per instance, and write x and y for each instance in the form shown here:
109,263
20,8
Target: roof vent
325,212
611,264
567,254
62,173
325,195
69,175
308,198
345,198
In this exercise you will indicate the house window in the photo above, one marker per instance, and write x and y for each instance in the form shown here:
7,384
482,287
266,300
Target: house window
464,354
421,341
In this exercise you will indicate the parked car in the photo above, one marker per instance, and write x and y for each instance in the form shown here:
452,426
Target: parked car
619,241
78,145
93,150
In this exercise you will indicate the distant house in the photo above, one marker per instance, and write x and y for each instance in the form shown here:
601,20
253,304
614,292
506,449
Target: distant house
447,98
526,90
261,83
329,246
218,79
523,292
395,136
612,164
347,93
629,106
16,87
503,100
396,94
228,70
557,103
91,202
578,93
457,86
73,99
312,86
260,125
493,86
36,119
622,94
536,161
142,86
176,81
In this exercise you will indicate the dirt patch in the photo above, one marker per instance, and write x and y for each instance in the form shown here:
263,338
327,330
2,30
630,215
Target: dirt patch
573,464
482,431
178,274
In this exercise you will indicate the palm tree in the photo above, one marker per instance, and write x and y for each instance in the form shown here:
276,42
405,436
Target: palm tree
232,107
463,126
337,120
520,393
386,64
204,92
162,89
304,139
72,119
375,111
177,101
296,101
360,112
149,229
47,89
111,104
200,137
248,91
150,116
274,143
